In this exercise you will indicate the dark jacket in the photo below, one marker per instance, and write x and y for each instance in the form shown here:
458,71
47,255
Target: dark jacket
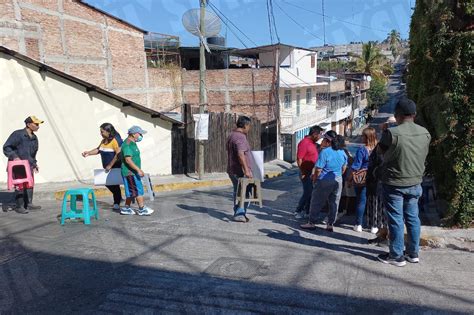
21,145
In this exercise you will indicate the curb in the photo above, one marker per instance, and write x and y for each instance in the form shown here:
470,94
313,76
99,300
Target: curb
447,242
104,192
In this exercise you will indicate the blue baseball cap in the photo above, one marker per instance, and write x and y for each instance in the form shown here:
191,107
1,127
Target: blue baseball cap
136,129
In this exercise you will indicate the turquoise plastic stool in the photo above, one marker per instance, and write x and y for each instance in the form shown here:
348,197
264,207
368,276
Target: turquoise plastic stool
74,213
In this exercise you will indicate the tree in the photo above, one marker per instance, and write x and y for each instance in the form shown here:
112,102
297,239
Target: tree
394,39
377,94
440,81
372,61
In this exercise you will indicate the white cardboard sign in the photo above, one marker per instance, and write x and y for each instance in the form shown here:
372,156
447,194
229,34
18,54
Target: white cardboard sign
102,178
201,126
114,177
258,166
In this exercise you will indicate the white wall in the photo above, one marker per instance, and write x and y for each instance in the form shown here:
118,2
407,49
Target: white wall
295,65
304,106
72,119
300,72
342,113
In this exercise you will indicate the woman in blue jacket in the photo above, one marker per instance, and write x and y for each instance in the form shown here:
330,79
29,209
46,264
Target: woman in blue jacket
327,179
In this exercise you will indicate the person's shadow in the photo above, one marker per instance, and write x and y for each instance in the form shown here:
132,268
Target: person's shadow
210,211
295,237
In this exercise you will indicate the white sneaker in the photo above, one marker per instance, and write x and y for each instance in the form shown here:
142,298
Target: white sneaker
374,230
127,211
116,207
145,211
358,228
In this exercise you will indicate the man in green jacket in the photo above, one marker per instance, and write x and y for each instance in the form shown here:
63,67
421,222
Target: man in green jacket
405,148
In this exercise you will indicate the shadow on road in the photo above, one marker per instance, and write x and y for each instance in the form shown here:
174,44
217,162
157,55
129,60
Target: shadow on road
39,282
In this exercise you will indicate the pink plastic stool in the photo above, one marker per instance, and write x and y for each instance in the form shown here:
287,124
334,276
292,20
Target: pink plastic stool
19,166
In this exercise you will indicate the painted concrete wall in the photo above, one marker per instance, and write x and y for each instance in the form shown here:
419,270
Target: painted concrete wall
295,66
72,119
300,72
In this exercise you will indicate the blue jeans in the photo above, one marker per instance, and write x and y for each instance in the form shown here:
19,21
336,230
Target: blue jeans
305,199
401,204
326,190
361,200
237,210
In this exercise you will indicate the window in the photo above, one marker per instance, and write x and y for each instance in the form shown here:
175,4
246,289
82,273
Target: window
287,99
313,61
309,96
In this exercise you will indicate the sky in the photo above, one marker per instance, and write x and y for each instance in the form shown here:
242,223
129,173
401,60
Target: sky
298,22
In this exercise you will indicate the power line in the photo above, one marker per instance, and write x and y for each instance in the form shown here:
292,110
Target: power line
269,22
214,8
297,23
296,76
324,24
227,25
335,18
274,22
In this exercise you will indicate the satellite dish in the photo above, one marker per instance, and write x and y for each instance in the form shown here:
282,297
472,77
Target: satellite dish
212,23
369,78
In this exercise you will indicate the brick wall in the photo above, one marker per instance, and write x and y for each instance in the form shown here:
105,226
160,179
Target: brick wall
80,41
83,42
244,91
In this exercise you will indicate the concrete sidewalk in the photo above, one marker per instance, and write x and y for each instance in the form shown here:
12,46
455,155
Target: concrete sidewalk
50,191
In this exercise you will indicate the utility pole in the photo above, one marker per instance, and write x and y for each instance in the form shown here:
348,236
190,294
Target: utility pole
202,83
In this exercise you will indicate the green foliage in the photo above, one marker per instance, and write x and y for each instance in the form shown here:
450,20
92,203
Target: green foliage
440,81
377,94
336,65
394,40
372,61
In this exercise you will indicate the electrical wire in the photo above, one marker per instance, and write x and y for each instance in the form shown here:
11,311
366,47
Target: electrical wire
214,8
225,23
269,22
297,23
335,18
273,19
324,23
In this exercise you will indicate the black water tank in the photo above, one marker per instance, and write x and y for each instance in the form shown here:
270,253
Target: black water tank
216,40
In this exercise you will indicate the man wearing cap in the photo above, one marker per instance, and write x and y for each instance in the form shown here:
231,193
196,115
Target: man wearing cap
132,173
405,148
23,145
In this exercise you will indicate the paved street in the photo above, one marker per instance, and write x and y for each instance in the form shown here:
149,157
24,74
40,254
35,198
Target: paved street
189,257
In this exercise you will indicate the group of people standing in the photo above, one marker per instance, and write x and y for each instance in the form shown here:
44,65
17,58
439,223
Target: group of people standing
115,153
386,175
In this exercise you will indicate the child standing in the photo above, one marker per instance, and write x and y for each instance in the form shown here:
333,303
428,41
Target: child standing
132,173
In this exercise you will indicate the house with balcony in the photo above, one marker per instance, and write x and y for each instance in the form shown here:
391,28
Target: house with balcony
295,88
346,101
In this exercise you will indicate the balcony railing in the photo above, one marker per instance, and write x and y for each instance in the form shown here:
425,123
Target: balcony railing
290,123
